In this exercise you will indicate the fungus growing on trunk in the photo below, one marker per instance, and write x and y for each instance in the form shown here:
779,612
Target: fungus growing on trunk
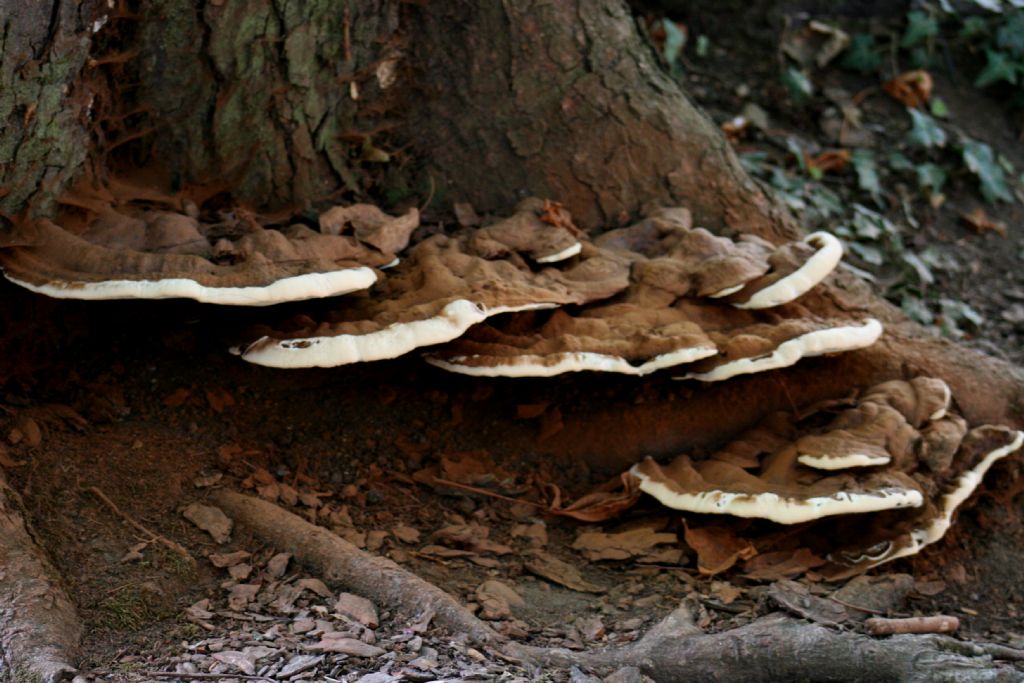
440,290
677,311
896,451
713,342
535,231
748,272
106,250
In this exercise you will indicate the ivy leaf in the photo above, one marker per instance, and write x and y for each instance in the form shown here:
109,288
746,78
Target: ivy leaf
922,58
675,41
917,310
921,269
1010,35
862,55
703,46
899,161
980,161
938,108
920,27
867,173
931,178
997,68
925,131
799,85
955,312
973,27
867,253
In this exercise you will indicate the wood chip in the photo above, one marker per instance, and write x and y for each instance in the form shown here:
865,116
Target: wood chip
796,598
496,599
241,595
358,608
278,565
298,664
551,568
222,560
621,546
240,572
347,646
210,519
315,585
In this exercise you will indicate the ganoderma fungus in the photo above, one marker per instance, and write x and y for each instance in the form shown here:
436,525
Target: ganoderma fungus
676,311
103,250
897,452
441,288
713,342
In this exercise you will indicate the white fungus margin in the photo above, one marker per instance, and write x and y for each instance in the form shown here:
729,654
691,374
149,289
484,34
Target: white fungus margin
295,288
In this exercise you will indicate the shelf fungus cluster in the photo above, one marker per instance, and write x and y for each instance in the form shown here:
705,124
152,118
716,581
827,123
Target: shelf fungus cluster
655,295
886,472
102,248
532,296
713,306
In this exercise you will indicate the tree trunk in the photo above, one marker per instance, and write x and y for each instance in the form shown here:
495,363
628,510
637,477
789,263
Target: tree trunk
565,100
43,49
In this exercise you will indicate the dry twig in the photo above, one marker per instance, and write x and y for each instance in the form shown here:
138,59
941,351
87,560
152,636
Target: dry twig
940,623
153,536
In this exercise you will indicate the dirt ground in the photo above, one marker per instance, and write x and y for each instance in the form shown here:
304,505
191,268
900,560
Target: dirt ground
142,402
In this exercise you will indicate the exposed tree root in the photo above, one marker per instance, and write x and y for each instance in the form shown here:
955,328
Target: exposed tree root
774,648
39,628
377,578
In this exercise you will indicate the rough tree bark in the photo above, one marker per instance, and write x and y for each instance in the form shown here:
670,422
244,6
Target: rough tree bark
284,104
39,631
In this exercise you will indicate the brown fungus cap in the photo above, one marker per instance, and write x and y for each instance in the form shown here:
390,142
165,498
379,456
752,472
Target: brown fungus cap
780,490
669,316
106,250
710,341
532,231
441,288
896,452
901,534
747,272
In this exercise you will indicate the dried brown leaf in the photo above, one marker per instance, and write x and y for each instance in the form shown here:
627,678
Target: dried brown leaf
783,564
177,397
219,399
981,222
596,546
223,560
718,548
604,503
551,568
910,88
829,160
556,215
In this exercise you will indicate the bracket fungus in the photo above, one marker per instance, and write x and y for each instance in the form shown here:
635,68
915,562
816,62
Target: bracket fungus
746,272
712,342
105,249
441,289
897,451
539,230
676,311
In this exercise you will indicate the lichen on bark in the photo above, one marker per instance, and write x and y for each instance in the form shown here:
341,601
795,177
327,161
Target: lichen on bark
275,99
43,47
